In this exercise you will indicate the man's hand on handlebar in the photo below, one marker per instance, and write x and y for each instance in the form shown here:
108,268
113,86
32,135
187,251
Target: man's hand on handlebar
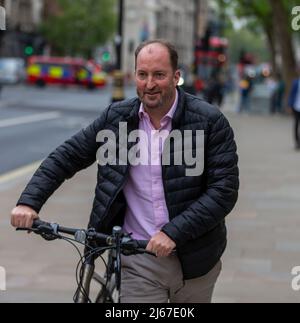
23,216
161,245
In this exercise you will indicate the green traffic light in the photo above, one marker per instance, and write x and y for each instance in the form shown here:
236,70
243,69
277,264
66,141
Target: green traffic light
106,57
28,50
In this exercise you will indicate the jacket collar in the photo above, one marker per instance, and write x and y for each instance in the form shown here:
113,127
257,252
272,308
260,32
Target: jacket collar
178,117
133,117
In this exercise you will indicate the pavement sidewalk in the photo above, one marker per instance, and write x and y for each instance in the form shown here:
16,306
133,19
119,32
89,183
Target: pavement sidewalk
264,228
40,271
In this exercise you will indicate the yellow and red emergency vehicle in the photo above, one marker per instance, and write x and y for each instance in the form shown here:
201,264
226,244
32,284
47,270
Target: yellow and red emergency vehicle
43,70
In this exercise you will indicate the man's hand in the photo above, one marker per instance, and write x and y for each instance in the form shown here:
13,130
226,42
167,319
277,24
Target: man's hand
161,245
23,216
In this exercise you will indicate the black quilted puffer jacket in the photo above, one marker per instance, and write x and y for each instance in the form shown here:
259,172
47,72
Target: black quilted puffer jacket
197,205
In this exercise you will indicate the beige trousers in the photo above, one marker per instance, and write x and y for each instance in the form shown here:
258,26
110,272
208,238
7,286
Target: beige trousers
146,279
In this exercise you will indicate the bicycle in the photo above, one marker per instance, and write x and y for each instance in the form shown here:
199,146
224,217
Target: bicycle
95,245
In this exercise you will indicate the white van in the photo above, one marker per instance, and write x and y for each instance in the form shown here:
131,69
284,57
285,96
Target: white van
12,70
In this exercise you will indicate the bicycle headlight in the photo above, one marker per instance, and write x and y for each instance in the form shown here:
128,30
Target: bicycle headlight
80,236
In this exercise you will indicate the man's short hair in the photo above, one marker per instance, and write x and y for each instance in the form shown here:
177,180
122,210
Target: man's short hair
170,47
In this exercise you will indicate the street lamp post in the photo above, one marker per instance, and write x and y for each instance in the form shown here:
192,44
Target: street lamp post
118,84
119,43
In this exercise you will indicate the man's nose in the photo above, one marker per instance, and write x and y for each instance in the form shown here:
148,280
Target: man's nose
150,83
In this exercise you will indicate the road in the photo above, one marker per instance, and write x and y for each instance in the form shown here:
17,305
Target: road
33,121
67,99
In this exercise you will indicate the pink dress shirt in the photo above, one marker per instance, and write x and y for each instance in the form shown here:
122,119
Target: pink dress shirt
146,210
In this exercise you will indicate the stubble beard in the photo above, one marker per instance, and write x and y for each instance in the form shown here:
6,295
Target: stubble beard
165,100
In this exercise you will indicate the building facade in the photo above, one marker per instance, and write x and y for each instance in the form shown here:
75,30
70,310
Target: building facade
175,20
22,18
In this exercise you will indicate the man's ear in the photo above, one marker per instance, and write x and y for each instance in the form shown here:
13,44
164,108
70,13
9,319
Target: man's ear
177,77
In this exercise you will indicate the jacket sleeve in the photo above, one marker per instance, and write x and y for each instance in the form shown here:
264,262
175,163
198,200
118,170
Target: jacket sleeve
77,153
220,196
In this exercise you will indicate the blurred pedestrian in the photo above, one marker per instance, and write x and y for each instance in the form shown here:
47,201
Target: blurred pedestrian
277,89
280,93
214,92
294,104
246,86
271,86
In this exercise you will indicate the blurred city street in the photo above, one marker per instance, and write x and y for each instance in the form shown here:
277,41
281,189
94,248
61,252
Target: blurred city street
263,244
63,62
44,118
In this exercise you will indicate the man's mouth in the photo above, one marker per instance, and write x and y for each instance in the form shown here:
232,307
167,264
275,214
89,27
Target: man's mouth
152,94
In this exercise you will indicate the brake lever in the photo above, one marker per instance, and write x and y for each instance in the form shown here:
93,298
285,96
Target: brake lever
137,252
48,236
27,229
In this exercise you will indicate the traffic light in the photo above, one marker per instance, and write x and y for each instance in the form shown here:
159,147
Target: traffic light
106,57
28,50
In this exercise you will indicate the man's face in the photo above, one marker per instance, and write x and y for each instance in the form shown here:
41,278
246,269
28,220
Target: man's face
155,79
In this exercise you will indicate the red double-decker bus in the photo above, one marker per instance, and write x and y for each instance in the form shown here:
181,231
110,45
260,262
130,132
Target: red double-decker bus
210,57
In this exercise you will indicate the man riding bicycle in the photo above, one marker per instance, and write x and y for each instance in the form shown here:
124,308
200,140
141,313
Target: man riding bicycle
182,214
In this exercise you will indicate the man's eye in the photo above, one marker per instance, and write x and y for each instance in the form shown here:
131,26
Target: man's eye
142,75
160,75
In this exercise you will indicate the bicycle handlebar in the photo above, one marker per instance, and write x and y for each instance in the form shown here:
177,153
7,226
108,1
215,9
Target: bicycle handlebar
51,231
119,242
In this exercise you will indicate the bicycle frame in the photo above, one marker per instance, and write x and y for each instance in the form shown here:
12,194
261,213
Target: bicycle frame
110,283
108,291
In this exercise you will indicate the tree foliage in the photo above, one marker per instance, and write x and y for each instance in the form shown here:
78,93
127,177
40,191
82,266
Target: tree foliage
244,40
261,10
274,19
80,26
250,36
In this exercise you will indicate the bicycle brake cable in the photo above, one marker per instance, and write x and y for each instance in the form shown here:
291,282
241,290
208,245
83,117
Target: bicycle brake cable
79,272
80,287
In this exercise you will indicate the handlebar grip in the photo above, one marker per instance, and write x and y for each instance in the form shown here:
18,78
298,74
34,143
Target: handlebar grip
37,223
142,244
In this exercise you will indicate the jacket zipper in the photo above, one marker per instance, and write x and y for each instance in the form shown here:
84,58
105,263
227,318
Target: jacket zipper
117,193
